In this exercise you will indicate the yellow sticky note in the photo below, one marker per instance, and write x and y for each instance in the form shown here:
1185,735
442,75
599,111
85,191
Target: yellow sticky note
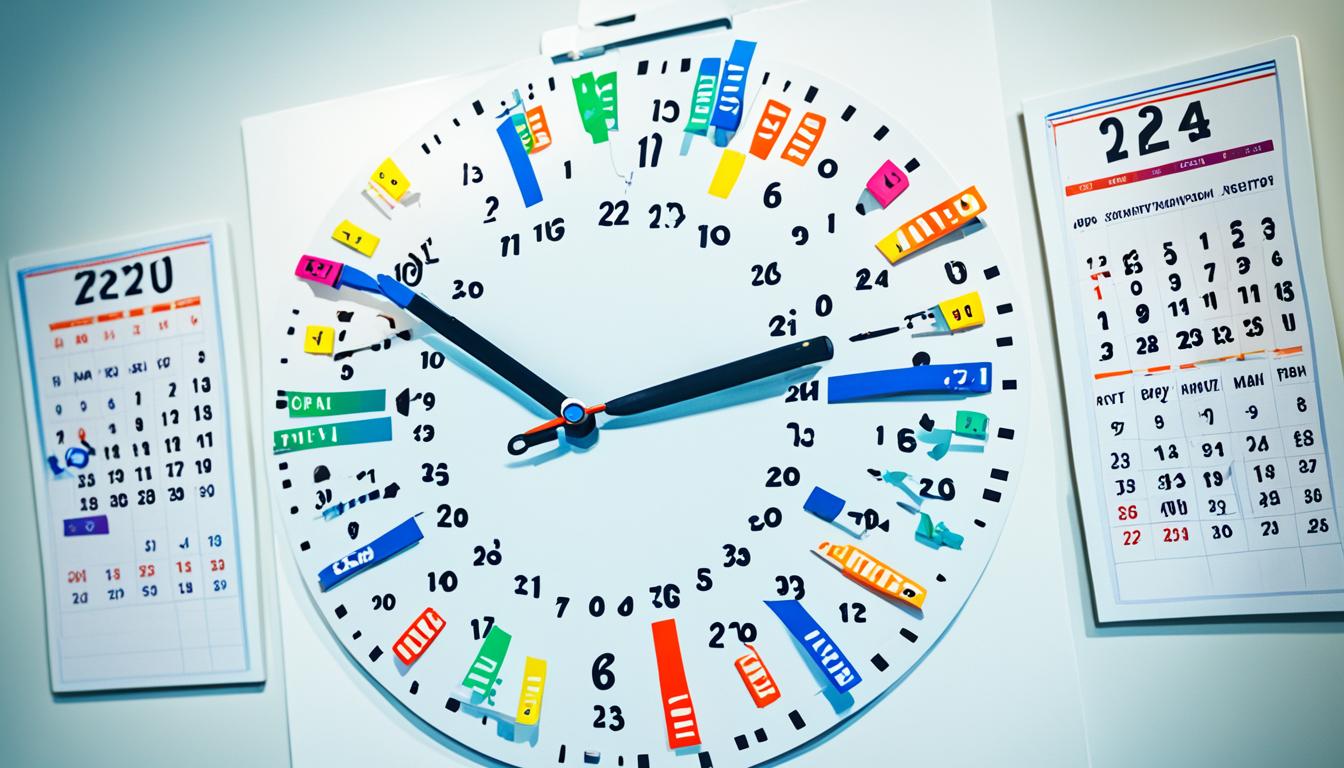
391,179
725,176
350,236
963,311
534,684
319,340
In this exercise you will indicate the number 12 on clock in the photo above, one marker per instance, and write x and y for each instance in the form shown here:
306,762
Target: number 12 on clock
1196,337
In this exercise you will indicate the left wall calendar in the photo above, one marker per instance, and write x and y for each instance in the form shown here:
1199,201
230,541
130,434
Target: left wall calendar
130,363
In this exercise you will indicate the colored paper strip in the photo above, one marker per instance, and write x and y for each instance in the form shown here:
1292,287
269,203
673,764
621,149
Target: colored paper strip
333,435
932,225
418,637
819,647
725,176
310,404
968,378
769,128
1167,169
521,164
702,97
728,108
678,711
534,685
95,525
402,536
484,670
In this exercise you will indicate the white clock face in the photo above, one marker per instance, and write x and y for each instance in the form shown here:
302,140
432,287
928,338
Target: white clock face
714,582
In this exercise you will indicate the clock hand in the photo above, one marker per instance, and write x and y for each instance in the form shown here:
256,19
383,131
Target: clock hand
706,382
474,344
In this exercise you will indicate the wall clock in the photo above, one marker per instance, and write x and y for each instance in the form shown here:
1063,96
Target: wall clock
656,409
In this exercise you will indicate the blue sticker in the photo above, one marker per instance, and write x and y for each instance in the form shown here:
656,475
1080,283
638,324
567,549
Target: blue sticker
86,526
823,651
732,87
957,378
520,162
824,504
374,552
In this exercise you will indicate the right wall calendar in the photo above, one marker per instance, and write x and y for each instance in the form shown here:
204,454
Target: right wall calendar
1196,337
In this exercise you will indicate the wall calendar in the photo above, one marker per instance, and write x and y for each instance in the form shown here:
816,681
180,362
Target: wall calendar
1196,337
128,352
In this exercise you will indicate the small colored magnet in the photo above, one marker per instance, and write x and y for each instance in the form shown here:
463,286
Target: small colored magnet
971,424
390,178
319,339
887,183
824,504
354,238
962,312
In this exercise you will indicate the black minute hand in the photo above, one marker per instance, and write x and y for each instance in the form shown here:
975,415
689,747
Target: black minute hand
706,382
474,344
723,377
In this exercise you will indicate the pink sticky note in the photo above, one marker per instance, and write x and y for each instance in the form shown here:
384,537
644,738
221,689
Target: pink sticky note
888,183
320,270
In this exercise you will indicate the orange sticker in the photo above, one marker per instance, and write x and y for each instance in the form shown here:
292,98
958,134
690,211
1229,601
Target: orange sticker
757,678
417,638
768,129
931,225
805,138
541,132
872,573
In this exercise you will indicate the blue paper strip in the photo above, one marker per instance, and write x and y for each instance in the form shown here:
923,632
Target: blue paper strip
823,651
732,87
86,526
957,378
520,162
376,551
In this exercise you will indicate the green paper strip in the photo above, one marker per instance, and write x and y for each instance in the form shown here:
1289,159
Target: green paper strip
595,98
524,132
310,404
484,670
332,435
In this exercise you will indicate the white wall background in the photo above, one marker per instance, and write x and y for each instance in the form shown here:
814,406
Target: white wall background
124,117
